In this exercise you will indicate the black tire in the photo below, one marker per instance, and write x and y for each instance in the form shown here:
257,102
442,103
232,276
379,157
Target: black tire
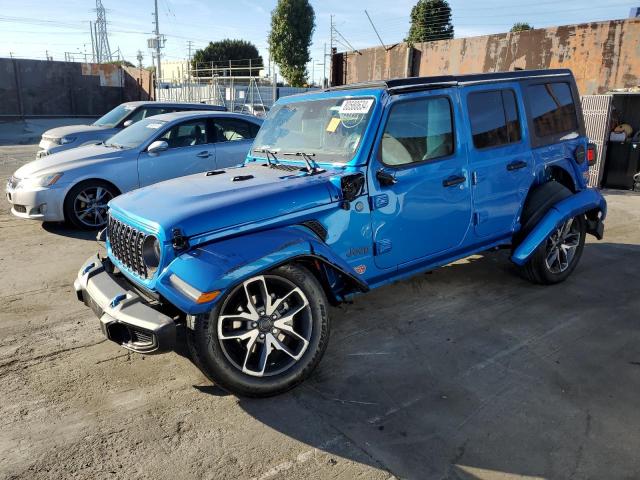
538,269
214,357
538,203
72,204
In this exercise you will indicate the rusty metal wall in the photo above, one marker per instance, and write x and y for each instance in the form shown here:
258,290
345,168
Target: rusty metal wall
602,55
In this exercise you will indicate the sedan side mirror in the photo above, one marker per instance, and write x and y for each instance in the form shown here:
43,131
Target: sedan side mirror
128,123
157,146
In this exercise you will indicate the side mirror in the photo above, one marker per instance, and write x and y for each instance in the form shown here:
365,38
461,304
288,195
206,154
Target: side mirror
385,178
128,123
157,146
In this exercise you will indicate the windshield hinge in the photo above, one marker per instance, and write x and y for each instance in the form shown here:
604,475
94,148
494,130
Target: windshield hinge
178,240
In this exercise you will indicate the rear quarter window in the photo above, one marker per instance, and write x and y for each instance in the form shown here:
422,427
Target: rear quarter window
552,110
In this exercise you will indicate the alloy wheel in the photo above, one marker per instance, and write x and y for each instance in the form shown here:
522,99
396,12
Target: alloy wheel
265,325
90,206
561,246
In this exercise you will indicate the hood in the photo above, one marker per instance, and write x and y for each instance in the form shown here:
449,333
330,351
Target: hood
199,204
71,130
67,160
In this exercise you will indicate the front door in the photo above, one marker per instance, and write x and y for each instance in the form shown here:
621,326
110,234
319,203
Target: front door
500,159
191,150
419,181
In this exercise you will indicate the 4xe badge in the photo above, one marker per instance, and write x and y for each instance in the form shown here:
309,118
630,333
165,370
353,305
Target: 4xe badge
360,269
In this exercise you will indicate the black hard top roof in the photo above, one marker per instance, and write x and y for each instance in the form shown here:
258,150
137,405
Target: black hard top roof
398,85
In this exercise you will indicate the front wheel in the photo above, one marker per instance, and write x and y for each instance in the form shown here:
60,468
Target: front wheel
265,336
86,204
557,257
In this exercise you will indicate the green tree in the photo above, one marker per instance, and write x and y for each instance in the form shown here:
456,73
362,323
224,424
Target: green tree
430,21
239,52
521,27
122,63
292,25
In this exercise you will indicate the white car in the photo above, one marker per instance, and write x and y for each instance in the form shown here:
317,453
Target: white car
76,185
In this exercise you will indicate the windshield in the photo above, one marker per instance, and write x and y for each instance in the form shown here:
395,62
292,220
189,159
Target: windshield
329,129
136,134
115,116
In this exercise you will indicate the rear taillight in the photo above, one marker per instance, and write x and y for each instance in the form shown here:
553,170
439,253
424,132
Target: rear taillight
591,154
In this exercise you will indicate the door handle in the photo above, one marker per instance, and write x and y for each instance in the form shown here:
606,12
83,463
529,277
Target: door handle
516,165
454,180
204,154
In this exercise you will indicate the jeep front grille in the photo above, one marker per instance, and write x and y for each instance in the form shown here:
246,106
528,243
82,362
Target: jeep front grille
126,246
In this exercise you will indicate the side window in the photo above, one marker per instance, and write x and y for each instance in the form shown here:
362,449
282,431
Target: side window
145,112
494,118
186,134
552,109
231,130
417,131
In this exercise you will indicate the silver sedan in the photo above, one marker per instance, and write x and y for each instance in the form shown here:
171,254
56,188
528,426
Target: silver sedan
76,185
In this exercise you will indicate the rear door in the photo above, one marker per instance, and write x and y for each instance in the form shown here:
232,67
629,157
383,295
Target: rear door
234,138
425,210
500,159
191,150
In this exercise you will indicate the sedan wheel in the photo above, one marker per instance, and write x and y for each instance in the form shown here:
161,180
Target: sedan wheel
86,204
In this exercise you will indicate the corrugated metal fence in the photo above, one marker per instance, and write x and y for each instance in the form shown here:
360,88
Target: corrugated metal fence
597,112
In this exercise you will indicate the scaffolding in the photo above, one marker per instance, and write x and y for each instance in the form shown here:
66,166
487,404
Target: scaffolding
230,86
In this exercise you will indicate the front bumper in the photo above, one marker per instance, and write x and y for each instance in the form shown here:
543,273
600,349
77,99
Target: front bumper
44,204
125,316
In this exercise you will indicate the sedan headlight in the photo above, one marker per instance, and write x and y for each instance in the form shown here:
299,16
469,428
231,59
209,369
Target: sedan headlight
39,181
65,140
151,254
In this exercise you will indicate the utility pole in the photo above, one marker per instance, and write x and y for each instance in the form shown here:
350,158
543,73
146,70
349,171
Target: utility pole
93,44
331,39
324,67
189,45
140,57
157,42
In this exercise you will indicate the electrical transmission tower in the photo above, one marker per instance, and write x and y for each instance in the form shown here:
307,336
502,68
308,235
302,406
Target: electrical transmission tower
102,48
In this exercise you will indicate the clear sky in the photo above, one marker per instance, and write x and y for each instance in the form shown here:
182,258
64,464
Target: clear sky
29,28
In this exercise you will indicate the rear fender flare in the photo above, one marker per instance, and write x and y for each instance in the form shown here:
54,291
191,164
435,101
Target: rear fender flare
223,264
589,202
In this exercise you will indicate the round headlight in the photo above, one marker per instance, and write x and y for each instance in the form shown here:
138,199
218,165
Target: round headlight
151,253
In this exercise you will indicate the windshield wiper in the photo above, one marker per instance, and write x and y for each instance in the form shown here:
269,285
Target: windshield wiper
115,145
271,154
312,166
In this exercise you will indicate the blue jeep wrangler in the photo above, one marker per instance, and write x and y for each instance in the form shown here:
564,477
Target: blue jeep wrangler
345,190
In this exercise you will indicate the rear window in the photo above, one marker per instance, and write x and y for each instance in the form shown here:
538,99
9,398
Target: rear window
552,109
494,118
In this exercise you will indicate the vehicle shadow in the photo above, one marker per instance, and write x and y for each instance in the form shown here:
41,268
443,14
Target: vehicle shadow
472,372
65,230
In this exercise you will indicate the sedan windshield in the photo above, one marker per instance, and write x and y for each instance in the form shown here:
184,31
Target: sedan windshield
330,129
136,134
115,116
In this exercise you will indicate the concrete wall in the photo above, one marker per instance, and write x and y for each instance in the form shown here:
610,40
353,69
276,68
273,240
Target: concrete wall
47,88
602,55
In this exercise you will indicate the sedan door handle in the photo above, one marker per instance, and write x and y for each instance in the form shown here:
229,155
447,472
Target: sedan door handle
204,154
516,165
454,180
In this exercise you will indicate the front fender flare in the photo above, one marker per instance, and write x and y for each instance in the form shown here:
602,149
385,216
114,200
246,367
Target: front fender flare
223,264
588,201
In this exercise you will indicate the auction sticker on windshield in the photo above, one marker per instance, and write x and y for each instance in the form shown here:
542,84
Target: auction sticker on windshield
357,107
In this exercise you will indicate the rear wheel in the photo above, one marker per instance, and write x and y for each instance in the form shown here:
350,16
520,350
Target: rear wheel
267,334
86,204
557,257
